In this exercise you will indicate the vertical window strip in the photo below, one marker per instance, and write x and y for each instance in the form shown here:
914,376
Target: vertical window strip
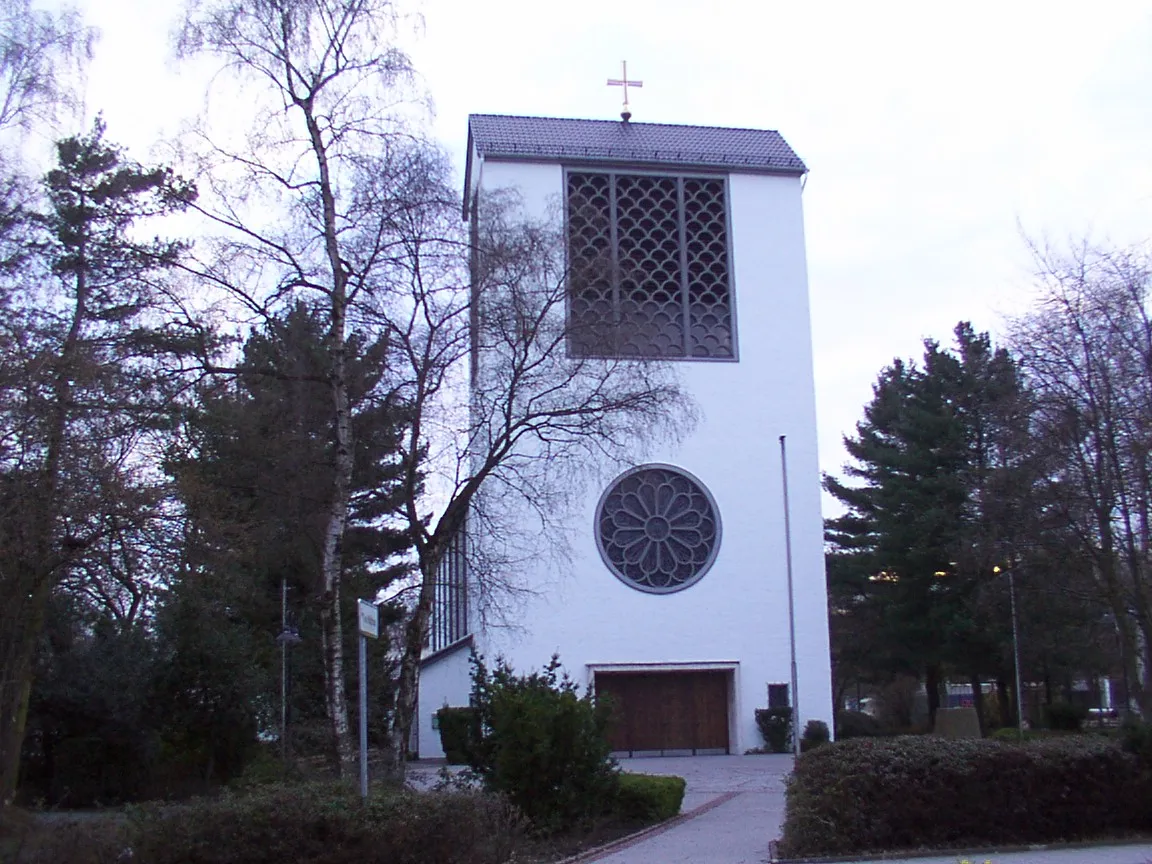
450,599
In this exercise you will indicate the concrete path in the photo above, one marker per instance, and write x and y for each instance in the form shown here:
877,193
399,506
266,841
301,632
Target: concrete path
733,807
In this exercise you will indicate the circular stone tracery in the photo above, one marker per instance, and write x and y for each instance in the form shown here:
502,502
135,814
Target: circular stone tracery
658,528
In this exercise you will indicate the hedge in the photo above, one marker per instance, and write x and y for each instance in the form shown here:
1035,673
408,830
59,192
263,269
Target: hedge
857,724
775,728
302,824
648,797
914,792
459,730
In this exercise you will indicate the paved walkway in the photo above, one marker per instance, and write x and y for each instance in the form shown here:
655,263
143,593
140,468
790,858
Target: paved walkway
733,807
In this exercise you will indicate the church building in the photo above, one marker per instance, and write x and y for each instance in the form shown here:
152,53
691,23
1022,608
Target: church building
677,598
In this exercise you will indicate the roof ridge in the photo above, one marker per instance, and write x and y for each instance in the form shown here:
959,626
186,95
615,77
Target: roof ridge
618,122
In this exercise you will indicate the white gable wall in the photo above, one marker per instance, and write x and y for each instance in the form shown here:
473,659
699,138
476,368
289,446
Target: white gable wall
736,616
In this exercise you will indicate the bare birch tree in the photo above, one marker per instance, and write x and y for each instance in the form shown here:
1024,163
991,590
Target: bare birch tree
38,51
511,423
335,195
1087,352
327,93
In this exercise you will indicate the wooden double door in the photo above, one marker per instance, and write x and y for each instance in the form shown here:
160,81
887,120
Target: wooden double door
667,711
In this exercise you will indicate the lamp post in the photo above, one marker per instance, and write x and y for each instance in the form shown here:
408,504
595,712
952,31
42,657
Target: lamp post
791,600
1015,648
287,636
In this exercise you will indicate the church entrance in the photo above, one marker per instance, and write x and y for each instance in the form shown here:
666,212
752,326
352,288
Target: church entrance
667,713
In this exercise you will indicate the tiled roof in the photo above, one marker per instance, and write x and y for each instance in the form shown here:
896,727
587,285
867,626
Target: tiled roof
552,138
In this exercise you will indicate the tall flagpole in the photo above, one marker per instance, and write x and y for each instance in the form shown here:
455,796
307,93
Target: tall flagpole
791,603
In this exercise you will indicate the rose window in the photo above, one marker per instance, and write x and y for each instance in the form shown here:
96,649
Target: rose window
658,529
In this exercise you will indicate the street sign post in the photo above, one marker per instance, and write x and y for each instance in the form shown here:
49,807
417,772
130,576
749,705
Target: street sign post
368,616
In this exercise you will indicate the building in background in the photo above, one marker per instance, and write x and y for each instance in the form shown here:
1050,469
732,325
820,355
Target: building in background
676,597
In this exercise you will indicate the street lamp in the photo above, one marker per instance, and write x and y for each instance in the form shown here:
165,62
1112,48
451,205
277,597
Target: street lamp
287,636
1015,648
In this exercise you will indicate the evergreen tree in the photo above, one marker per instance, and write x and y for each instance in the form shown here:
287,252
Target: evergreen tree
82,380
255,478
941,460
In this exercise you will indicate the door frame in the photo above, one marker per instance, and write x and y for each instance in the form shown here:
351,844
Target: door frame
731,668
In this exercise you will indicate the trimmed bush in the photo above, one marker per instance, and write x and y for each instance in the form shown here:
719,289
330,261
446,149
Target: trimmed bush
543,745
649,798
1136,737
330,824
1011,735
300,824
858,724
815,735
1065,717
90,839
957,723
873,795
776,728
459,728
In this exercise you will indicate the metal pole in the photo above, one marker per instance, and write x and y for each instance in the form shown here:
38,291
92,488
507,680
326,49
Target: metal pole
791,603
283,671
363,716
1016,654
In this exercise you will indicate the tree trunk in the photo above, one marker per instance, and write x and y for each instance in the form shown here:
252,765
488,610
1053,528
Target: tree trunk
932,688
19,646
30,541
332,565
1008,706
978,702
332,562
416,634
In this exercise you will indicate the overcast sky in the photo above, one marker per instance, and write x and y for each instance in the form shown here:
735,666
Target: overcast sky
935,133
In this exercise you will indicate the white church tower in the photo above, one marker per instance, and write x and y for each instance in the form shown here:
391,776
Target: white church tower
676,601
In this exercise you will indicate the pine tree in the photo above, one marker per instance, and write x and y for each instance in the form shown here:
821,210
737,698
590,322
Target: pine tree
940,458
255,478
82,379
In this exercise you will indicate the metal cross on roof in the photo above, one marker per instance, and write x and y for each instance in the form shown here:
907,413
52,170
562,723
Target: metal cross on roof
623,81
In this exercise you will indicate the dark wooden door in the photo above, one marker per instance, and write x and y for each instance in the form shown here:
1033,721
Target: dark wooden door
667,710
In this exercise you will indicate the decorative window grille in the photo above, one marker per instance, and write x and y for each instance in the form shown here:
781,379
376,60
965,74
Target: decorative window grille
650,275
658,529
450,606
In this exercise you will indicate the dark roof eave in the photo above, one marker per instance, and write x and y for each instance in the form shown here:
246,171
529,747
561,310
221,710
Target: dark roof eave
605,161
446,651
467,177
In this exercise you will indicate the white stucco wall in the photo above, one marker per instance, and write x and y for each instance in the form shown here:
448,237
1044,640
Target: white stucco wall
445,680
737,615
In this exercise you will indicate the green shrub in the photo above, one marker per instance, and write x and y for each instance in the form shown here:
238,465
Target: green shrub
649,798
871,795
543,744
1065,716
459,728
857,724
776,728
1011,735
1136,738
90,839
328,824
815,735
